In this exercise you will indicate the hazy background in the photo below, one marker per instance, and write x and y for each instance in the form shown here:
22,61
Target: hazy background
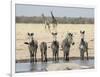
64,15
35,10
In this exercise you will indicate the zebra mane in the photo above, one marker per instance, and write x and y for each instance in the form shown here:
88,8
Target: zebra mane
82,41
32,43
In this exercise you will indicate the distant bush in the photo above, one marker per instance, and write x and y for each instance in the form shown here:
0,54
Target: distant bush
60,20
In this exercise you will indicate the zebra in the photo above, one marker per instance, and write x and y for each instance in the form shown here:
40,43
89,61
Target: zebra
83,46
43,49
66,44
32,46
55,48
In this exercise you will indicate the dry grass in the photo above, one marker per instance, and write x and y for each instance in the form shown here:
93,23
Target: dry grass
43,35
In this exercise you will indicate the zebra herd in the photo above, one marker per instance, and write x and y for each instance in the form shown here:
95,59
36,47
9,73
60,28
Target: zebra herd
65,45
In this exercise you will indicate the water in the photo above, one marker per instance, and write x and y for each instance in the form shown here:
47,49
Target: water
41,66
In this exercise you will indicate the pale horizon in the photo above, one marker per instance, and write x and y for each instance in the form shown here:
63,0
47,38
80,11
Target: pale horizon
37,10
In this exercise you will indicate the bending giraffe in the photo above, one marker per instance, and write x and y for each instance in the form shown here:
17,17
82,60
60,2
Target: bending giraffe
54,22
46,22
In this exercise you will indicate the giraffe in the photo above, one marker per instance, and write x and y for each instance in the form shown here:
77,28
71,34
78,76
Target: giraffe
46,22
54,22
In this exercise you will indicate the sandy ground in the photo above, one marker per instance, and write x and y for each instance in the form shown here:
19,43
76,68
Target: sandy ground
41,34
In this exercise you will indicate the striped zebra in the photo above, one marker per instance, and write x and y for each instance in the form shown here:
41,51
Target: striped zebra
83,46
32,46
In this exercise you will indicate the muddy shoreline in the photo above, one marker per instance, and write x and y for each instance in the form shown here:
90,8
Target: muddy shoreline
49,59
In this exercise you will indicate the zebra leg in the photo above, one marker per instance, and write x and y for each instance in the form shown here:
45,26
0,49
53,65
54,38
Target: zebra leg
45,56
67,56
53,56
82,55
64,55
35,56
41,55
57,55
87,54
31,57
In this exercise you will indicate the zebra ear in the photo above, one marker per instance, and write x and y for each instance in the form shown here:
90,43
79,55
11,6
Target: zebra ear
83,32
28,34
71,34
32,34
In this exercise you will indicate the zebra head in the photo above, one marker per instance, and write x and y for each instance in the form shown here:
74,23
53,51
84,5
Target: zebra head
30,37
54,36
82,34
70,38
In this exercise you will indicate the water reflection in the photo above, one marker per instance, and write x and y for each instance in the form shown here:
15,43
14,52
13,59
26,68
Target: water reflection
38,66
42,66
